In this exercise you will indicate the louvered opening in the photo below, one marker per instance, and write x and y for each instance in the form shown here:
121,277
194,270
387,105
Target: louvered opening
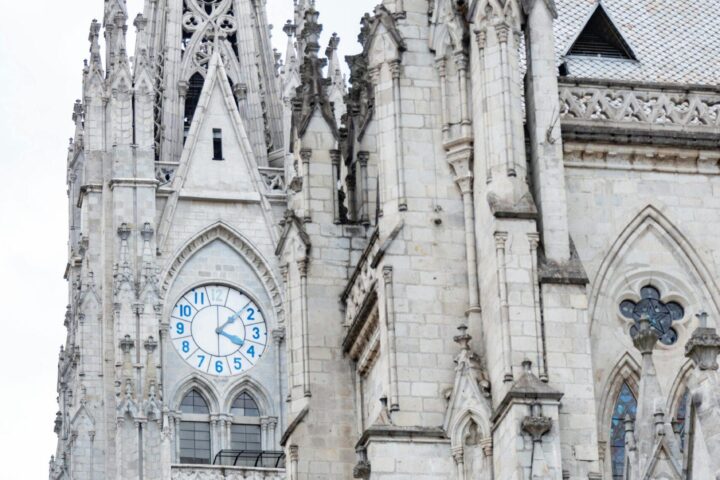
600,38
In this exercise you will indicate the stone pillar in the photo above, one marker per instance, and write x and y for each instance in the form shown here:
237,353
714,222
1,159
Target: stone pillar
364,188
335,158
390,318
305,333
396,70
543,113
306,154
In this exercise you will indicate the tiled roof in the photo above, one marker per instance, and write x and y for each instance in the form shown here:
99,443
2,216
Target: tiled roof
675,41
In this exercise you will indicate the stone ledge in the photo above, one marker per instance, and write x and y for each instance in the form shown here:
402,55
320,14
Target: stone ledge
406,434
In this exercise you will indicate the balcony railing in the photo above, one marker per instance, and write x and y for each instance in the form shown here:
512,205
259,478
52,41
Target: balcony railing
217,472
249,458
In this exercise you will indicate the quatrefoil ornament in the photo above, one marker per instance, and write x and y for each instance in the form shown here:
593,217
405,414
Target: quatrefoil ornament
662,315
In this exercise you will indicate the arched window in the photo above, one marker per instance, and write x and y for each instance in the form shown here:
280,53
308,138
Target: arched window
626,404
195,429
245,431
195,86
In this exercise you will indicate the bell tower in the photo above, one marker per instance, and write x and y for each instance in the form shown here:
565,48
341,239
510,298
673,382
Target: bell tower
175,348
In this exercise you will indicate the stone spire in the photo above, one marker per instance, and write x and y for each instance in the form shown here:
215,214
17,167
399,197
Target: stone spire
651,443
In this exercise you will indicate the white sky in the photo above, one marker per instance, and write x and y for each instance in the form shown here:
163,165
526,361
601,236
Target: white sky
42,45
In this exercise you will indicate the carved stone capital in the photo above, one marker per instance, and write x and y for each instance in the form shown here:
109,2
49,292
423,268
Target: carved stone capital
395,69
150,345
363,158
335,157
703,348
465,183
183,87
147,232
481,38
303,265
647,336
306,155
536,426
387,274
501,239
294,453
279,335
124,232
240,91
127,344
487,446
458,454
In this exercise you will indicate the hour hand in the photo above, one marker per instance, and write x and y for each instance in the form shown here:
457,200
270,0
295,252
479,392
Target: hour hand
233,338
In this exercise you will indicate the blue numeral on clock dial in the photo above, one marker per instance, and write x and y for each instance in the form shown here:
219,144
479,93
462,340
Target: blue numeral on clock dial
251,316
199,298
186,346
202,359
185,310
256,333
238,364
180,328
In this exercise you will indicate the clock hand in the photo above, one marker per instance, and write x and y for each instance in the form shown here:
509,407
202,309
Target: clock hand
231,319
233,338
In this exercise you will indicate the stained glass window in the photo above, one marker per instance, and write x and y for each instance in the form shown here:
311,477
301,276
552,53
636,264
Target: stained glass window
626,404
662,315
681,424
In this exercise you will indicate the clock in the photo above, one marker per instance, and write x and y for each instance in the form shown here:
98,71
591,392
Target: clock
218,330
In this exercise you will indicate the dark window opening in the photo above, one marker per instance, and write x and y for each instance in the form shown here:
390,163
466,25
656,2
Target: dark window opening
601,38
217,144
191,100
194,403
195,443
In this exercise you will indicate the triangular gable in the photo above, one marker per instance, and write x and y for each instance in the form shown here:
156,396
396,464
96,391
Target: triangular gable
216,83
292,222
601,38
370,29
469,399
663,463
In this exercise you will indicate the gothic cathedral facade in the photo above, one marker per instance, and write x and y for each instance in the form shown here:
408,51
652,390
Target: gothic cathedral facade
492,254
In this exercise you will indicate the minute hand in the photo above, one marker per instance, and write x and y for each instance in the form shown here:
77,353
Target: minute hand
231,319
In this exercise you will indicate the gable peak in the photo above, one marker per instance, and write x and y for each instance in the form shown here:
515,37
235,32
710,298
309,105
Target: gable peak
600,37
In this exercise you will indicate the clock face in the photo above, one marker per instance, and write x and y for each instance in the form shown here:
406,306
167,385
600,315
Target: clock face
218,330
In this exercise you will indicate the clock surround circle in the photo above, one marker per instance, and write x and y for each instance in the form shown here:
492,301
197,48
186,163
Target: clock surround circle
219,330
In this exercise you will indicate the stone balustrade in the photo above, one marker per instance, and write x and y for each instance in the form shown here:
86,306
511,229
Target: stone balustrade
200,472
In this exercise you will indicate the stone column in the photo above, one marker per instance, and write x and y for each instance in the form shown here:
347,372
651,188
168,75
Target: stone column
305,155
303,269
335,157
363,158
500,246
459,458
390,318
396,70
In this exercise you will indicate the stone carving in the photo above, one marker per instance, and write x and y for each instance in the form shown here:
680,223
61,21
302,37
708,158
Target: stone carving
312,93
165,172
653,107
225,473
274,179
236,241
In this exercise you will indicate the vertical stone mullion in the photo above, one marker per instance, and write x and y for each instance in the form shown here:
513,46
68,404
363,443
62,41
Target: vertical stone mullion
303,269
500,249
364,188
335,157
306,154
396,69
392,344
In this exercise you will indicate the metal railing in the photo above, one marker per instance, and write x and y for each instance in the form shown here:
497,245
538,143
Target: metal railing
248,458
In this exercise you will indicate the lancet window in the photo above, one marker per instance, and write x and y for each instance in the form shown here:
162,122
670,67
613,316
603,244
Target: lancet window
245,431
625,405
195,443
